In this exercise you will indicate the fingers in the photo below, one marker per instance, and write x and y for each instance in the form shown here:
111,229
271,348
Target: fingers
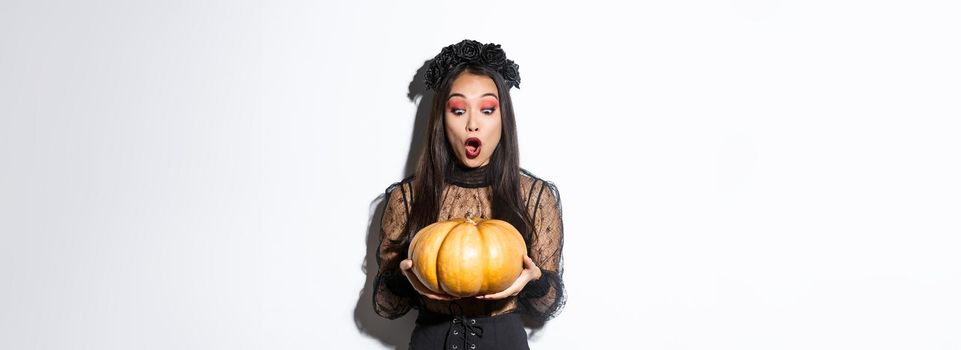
405,268
423,290
513,290
530,272
530,266
441,297
407,272
509,292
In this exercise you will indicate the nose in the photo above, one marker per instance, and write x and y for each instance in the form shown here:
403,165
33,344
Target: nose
472,124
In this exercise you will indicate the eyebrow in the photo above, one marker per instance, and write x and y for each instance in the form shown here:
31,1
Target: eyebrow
462,95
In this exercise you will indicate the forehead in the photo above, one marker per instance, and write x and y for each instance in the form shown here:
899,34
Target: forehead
473,86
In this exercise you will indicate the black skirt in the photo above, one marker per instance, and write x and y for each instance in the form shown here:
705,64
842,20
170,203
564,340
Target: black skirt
435,331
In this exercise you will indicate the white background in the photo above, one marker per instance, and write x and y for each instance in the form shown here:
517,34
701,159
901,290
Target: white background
735,174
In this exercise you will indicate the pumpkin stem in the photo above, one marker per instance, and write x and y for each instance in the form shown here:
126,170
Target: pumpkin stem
471,221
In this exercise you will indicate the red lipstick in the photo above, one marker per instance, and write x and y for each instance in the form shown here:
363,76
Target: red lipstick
472,147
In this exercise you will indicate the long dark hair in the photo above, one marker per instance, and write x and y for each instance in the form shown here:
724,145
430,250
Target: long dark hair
503,170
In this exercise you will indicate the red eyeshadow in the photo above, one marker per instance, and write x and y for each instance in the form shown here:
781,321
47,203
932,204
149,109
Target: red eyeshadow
455,104
489,103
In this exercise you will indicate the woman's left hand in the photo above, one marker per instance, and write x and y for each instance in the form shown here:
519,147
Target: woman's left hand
531,272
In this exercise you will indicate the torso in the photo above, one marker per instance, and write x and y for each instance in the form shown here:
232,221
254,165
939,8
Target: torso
459,202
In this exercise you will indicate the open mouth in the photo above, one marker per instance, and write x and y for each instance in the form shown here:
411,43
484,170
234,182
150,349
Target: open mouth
472,147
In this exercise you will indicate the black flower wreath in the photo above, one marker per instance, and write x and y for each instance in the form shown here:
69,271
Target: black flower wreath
471,52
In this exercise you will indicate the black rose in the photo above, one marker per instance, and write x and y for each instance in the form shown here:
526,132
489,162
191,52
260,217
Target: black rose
433,75
446,56
493,55
447,50
468,50
471,52
443,59
511,74
438,67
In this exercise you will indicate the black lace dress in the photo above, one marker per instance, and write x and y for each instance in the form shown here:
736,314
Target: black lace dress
470,323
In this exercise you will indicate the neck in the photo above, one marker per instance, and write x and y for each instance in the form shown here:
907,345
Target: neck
464,176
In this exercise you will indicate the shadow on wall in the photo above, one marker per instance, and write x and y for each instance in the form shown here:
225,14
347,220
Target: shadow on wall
391,333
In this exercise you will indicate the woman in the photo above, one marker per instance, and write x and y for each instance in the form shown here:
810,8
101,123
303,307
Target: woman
470,167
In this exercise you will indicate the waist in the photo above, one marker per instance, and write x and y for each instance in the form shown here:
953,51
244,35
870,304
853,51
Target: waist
470,307
428,317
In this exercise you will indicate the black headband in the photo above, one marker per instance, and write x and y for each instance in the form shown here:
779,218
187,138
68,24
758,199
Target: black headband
474,53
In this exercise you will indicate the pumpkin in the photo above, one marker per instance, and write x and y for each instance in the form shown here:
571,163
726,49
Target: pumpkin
468,257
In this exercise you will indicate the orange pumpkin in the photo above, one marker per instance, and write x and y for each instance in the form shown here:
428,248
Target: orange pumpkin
468,257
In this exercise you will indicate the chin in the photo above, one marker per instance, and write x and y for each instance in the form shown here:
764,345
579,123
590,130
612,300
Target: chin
473,163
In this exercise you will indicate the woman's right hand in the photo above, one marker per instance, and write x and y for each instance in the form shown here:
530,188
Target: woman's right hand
406,267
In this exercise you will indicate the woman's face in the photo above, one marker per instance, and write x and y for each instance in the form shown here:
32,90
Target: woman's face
473,119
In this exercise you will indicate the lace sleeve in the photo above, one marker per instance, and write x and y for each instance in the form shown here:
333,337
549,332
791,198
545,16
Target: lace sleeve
544,298
393,293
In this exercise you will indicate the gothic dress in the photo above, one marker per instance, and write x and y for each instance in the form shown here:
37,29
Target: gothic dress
469,323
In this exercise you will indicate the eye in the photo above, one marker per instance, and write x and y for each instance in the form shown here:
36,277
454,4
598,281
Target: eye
457,111
488,111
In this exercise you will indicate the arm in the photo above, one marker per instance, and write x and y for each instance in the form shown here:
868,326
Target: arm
544,298
393,293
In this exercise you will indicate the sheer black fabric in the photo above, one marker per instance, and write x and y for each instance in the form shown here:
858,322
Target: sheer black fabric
393,294
467,192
